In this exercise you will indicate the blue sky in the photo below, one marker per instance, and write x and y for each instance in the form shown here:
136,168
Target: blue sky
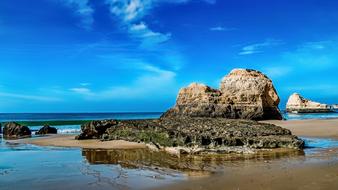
114,55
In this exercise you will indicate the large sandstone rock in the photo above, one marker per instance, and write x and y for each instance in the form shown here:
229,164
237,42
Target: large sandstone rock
95,129
46,130
297,104
15,130
243,94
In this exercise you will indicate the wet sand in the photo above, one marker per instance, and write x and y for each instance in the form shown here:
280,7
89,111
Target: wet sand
277,175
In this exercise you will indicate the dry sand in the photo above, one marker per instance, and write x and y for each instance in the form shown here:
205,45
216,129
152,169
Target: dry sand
69,141
311,127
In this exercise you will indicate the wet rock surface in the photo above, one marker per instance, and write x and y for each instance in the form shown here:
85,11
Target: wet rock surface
196,135
46,130
15,130
243,94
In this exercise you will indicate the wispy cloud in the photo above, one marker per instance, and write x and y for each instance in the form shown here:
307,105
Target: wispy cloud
151,81
221,29
131,15
29,97
259,47
82,9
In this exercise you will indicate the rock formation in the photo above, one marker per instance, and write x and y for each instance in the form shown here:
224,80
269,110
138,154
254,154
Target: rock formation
46,130
95,129
297,104
243,94
15,130
194,135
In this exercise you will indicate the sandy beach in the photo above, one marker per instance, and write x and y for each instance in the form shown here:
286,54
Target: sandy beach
69,141
310,128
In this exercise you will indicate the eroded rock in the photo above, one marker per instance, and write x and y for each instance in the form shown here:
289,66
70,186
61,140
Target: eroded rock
243,94
297,104
15,130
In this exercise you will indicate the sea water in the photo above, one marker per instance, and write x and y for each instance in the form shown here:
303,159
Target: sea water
74,129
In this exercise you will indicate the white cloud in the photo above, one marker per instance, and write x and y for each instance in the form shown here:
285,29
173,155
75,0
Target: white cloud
259,47
29,97
82,9
221,28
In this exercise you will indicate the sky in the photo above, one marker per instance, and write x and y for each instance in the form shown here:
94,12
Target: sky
134,55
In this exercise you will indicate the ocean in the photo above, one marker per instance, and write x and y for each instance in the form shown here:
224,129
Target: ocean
75,128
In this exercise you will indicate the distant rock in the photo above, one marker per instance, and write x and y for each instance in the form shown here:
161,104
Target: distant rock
335,106
297,104
95,129
0,128
243,94
15,130
47,130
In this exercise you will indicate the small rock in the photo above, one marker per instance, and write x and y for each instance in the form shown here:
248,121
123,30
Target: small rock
47,130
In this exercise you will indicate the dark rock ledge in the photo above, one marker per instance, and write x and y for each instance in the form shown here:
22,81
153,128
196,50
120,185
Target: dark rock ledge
194,135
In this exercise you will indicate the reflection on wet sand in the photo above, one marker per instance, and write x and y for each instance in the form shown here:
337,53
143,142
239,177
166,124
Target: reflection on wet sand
139,158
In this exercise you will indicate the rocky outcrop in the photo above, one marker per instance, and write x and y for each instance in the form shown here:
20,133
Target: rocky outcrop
195,135
46,130
297,104
243,94
15,130
95,129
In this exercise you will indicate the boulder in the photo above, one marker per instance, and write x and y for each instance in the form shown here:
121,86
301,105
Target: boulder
95,129
243,94
15,130
46,130
297,104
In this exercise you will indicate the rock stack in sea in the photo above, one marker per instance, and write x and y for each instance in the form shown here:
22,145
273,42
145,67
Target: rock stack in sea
243,94
297,104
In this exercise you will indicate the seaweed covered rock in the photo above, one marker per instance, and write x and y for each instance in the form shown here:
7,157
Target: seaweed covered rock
15,130
243,94
193,135
46,130
95,129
